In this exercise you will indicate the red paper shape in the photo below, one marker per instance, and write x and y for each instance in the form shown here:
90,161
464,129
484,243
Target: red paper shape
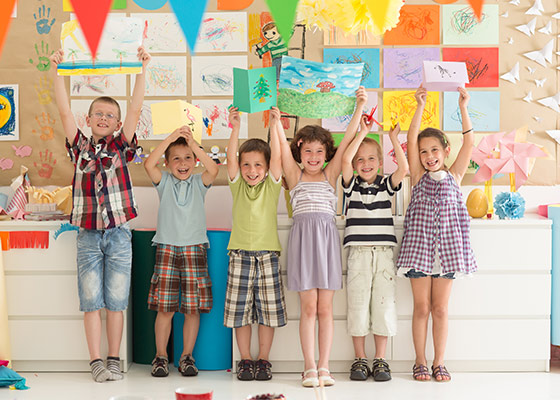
29,239
92,16
6,9
482,64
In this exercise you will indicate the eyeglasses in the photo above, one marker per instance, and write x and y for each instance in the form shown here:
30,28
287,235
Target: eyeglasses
109,116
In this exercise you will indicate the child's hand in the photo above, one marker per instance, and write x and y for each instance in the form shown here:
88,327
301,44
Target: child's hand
464,97
361,96
187,134
420,96
365,123
56,58
395,130
179,132
234,118
144,56
274,115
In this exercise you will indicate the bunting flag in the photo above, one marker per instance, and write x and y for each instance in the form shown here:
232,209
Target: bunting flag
384,14
189,13
477,5
284,14
6,9
92,16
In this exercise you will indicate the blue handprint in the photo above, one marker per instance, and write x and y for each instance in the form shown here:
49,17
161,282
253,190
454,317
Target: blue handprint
42,24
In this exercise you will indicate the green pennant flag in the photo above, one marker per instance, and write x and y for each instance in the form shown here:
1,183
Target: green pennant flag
283,13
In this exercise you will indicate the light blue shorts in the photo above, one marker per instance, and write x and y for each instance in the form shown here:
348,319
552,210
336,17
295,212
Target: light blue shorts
104,265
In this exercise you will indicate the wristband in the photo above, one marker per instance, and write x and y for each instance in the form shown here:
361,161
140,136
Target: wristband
467,131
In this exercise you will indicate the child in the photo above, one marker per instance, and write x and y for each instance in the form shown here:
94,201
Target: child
314,259
371,237
103,203
436,246
181,241
254,288
275,45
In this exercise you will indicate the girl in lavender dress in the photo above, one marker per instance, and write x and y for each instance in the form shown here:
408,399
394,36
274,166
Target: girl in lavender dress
436,245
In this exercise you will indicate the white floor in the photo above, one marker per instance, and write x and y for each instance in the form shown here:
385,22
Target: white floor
495,386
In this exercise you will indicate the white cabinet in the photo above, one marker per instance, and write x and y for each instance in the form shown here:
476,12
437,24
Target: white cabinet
499,319
45,322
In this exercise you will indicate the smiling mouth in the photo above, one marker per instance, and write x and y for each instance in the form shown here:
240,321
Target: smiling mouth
183,170
252,177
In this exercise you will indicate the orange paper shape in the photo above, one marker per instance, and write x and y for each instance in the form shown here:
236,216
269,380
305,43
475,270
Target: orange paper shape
92,16
477,5
6,9
5,240
418,24
232,5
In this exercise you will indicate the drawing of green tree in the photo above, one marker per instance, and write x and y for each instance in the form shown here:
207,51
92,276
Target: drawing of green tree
120,55
72,55
261,89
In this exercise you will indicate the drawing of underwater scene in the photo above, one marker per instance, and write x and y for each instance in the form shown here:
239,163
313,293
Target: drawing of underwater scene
482,64
339,124
399,106
213,75
402,67
80,110
222,32
215,119
418,25
98,85
460,25
9,112
164,34
316,90
484,110
368,57
389,159
116,53
165,76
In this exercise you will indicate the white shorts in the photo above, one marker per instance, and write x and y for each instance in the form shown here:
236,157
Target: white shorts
371,288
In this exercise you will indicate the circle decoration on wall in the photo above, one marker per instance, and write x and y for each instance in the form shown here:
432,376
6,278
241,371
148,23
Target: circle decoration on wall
5,110
150,4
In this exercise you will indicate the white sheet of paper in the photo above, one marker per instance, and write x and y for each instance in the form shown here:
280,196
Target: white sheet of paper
444,76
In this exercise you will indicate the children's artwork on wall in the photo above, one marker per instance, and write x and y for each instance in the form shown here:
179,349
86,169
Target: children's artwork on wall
145,129
168,116
165,76
98,85
222,32
368,57
9,112
116,5
418,25
116,53
163,34
254,90
460,26
402,67
339,124
482,64
399,106
215,119
333,36
389,159
213,75
339,136
455,143
80,110
484,110
444,76
317,90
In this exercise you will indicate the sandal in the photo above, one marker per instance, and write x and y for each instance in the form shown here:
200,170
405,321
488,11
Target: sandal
440,372
380,370
264,370
327,379
246,370
419,371
309,381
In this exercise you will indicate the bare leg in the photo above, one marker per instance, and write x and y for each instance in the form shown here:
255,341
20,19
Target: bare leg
326,326
115,321
243,337
92,325
266,334
190,332
421,291
380,345
308,300
441,291
359,343
162,330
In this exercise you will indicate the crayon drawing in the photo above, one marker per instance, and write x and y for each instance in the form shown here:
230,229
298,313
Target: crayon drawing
418,25
482,64
9,112
460,26
215,119
333,36
80,110
145,129
368,57
389,159
163,34
399,107
98,85
484,110
402,67
165,76
339,124
316,90
213,76
222,32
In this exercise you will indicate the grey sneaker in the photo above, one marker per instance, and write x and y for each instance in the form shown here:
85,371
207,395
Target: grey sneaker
160,367
187,367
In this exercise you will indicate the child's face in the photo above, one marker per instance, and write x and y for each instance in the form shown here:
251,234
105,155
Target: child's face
253,167
367,162
103,120
432,154
271,34
313,156
181,162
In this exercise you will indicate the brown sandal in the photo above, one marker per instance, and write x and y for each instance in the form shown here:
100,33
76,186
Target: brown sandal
440,372
419,371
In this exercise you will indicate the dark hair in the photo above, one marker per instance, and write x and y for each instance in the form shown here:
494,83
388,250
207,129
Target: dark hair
435,133
313,133
108,100
375,144
179,142
258,145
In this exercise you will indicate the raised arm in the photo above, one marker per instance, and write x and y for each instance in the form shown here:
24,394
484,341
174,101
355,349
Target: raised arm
135,108
62,102
231,156
291,168
275,168
211,168
402,163
463,159
414,163
150,164
334,166
352,149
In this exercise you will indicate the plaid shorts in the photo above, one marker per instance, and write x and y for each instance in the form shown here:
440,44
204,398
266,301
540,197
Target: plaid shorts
254,290
180,281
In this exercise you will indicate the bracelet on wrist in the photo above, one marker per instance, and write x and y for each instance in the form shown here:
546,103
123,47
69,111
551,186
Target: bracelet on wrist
467,131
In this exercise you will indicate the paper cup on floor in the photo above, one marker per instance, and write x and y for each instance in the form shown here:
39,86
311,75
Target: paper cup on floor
189,393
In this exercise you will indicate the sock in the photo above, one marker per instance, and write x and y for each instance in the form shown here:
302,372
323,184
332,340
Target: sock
98,371
114,367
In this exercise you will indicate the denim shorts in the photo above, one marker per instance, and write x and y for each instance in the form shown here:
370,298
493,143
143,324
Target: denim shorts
419,274
104,266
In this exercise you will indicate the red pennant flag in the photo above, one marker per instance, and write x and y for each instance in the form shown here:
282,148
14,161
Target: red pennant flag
477,5
6,9
92,16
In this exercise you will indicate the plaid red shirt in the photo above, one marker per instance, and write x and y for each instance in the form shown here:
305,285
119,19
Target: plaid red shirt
102,188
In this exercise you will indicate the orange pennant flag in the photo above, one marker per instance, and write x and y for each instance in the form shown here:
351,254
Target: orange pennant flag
477,5
6,9
92,16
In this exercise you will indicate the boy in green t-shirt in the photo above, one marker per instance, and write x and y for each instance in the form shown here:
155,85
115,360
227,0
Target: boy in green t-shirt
254,288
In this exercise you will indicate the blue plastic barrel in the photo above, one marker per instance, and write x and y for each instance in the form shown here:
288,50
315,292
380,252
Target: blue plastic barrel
554,215
212,350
